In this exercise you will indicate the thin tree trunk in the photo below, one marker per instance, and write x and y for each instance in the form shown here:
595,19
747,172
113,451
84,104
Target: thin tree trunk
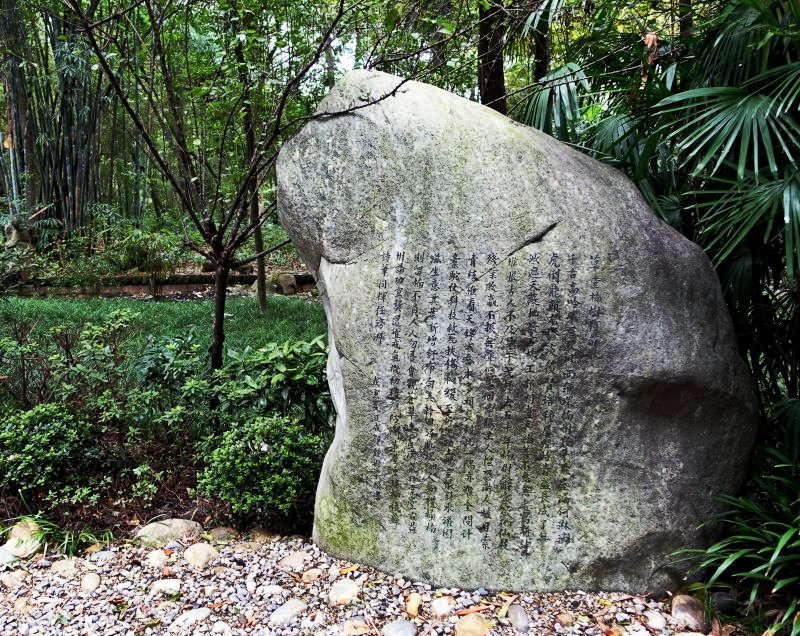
218,329
491,77
541,48
250,136
261,267
686,21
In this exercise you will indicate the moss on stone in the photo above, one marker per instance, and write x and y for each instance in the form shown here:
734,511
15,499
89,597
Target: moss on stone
342,531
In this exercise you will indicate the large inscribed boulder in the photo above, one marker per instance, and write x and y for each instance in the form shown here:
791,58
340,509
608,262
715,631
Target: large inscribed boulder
536,380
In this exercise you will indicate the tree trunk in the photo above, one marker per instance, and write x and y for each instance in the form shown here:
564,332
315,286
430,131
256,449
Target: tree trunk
541,48
686,22
218,329
261,268
250,136
491,77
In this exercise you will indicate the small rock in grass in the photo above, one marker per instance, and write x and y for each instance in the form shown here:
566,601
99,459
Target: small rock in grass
441,607
399,628
413,602
223,534
287,612
168,587
343,592
689,612
519,618
189,618
90,582
160,533
24,539
200,555
473,625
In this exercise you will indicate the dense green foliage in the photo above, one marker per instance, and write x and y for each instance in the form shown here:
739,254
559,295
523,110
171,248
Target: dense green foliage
43,448
289,318
109,412
263,464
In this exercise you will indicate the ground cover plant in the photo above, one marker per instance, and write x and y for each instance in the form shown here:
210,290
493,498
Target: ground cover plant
109,416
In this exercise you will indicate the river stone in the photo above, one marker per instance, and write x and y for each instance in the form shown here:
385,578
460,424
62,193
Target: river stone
159,533
287,612
536,380
24,539
200,554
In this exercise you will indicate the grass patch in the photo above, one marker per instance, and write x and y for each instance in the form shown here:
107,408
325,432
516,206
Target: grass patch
287,318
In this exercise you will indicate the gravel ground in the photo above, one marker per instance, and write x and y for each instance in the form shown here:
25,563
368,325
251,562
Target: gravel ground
128,589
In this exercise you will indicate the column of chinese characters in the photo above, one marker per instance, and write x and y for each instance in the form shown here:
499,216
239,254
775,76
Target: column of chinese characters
432,370
468,465
395,427
378,395
569,342
593,312
505,486
413,373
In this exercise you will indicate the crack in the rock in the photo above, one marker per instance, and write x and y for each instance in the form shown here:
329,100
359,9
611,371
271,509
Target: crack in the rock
350,360
536,238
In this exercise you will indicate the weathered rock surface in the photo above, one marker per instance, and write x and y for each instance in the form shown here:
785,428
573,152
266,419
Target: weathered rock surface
689,612
200,554
159,533
517,345
287,612
24,540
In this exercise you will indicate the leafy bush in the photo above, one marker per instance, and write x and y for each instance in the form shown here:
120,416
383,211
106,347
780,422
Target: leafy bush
43,447
286,379
159,411
86,368
266,465
154,252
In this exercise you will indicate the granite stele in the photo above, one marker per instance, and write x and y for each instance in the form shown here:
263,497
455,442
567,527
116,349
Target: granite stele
536,380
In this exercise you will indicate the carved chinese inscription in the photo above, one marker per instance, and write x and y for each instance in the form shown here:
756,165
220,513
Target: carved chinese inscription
470,340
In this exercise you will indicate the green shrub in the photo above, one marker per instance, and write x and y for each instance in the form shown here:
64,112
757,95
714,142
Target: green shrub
266,466
284,379
43,447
